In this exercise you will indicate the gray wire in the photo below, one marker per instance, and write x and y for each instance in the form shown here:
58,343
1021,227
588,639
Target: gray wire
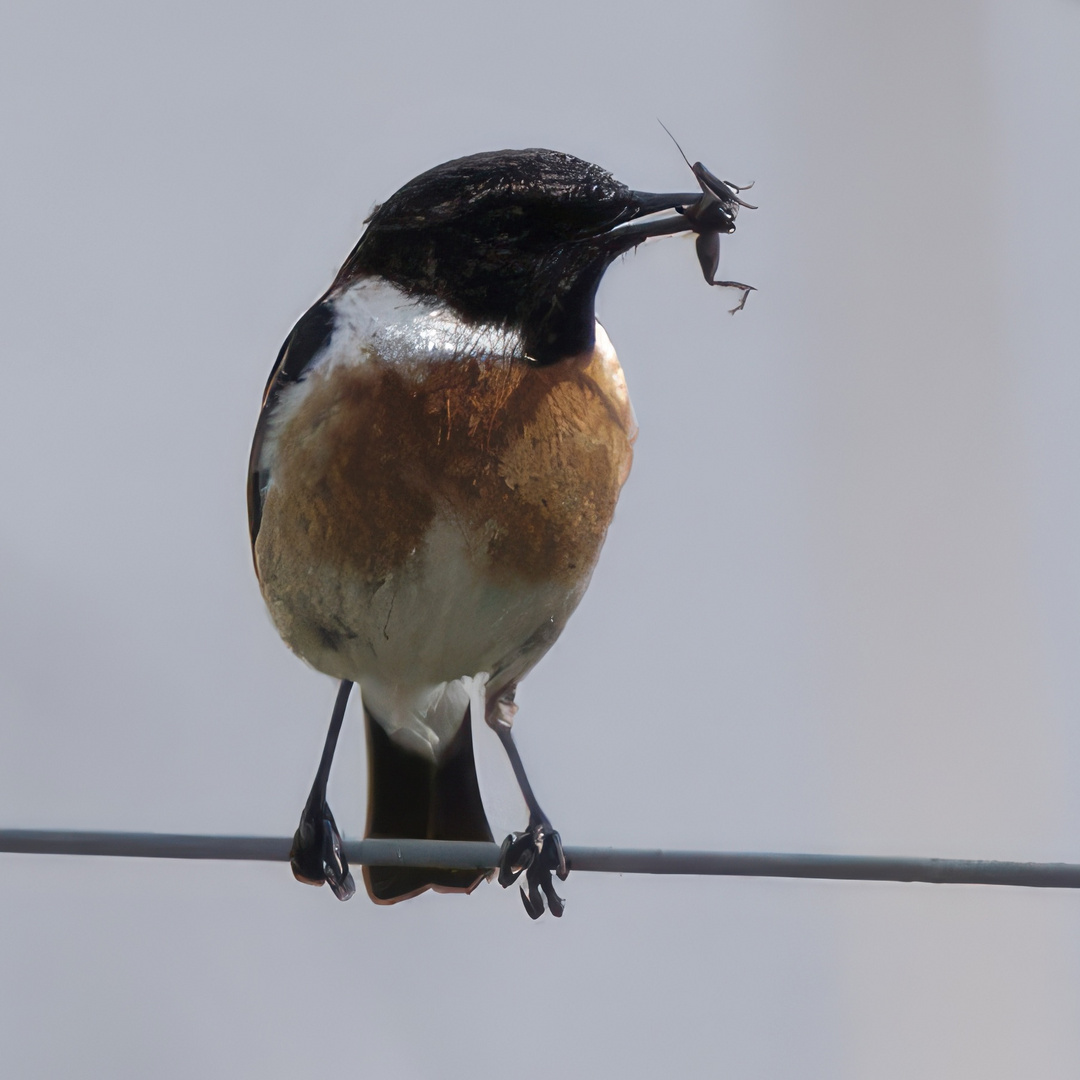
453,854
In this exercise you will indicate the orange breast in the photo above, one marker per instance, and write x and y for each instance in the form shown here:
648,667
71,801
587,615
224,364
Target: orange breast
528,461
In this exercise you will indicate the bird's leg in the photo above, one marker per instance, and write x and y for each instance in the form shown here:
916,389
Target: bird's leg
538,851
316,854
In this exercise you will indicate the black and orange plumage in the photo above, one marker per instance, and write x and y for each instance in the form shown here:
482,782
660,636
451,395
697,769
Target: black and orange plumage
441,447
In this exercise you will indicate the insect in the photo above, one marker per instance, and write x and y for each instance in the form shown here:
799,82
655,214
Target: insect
713,214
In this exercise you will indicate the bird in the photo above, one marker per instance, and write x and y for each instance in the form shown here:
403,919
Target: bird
440,448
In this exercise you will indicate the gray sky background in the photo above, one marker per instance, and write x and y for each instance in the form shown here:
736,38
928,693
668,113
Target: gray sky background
839,609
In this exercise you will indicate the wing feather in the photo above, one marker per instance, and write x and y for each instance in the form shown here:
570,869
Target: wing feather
303,346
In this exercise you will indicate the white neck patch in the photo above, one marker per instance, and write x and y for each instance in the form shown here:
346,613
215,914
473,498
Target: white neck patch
374,315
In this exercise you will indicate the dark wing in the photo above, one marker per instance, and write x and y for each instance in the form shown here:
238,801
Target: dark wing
302,347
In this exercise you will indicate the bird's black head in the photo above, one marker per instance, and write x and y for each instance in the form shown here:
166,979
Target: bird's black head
519,238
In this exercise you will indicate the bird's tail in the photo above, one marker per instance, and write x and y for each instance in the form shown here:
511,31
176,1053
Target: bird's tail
410,798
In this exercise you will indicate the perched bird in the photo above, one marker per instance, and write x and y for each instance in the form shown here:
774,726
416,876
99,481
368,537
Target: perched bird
441,446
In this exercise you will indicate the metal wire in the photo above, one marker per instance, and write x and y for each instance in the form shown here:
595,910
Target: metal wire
469,856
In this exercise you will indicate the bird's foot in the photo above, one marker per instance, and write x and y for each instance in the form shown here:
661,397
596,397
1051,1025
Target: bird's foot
537,852
316,854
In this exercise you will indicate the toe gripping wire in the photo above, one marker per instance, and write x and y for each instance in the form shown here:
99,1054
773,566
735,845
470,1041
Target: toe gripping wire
538,851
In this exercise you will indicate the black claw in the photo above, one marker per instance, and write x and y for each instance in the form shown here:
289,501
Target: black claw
562,867
317,857
538,853
534,909
507,877
344,888
517,854
507,874
552,858
556,904
335,865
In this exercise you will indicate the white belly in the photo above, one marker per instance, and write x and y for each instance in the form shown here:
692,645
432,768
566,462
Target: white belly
416,641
